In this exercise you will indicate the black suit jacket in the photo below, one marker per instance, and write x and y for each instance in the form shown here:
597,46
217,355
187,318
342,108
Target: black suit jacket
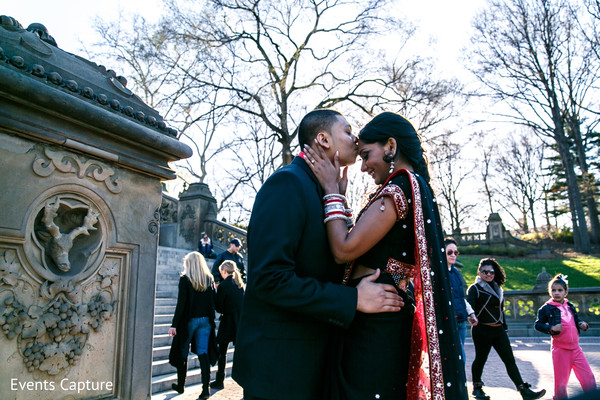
291,306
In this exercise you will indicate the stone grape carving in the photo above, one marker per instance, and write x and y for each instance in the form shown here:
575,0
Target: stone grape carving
61,243
52,327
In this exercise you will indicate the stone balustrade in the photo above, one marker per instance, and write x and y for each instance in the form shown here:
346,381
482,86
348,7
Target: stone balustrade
521,307
221,233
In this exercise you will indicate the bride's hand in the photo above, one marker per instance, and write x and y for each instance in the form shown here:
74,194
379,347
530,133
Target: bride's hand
327,173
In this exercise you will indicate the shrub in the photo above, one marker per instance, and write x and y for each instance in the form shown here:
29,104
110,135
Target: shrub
563,234
495,251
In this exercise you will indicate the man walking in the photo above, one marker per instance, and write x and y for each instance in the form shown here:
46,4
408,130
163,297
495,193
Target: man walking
293,303
232,254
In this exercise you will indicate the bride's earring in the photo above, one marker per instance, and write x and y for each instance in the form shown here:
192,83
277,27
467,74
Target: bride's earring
389,158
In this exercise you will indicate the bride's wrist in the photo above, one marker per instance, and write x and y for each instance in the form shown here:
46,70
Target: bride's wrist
331,189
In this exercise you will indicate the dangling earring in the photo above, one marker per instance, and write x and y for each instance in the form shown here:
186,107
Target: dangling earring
389,158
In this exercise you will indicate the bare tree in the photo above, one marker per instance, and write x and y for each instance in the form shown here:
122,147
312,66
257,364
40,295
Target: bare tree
524,55
236,74
451,172
520,166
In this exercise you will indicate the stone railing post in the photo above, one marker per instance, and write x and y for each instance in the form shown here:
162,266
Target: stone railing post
196,204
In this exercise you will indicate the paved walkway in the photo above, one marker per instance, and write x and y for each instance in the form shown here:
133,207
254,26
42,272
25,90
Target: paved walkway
533,358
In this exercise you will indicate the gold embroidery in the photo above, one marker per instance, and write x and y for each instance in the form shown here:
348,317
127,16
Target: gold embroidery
400,272
435,360
400,203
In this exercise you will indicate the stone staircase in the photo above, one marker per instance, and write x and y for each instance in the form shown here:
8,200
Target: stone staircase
163,374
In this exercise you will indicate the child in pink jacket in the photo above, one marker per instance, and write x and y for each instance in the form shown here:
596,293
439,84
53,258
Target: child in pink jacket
558,318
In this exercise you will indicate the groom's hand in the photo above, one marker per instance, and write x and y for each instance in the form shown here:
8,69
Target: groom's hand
377,297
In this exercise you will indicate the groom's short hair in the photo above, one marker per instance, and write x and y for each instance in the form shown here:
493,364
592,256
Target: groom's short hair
315,122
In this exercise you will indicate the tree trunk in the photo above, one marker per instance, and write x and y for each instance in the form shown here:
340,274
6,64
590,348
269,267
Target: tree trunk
588,192
580,233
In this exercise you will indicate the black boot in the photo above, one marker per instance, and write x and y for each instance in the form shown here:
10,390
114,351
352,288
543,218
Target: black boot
478,392
181,373
205,371
218,382
529,394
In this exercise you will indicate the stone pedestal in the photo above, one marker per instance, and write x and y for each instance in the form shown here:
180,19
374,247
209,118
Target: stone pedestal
495,229
81,161
196,204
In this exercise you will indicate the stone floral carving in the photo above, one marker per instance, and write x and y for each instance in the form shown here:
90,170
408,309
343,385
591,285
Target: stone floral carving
53,321
187,223
168,210
48,161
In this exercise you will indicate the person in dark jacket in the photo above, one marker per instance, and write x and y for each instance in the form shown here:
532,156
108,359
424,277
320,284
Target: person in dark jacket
194,320
230,295
232,254
559,318
487,299
463,310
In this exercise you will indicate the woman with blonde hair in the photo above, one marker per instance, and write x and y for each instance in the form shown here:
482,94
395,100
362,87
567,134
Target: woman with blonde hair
193,320
230,294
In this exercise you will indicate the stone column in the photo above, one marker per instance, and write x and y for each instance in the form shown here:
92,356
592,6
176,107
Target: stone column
81,164
495,229
196,204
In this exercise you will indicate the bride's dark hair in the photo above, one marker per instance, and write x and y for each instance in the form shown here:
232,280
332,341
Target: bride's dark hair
389,124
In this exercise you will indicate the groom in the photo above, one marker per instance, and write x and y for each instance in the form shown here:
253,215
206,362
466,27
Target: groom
293,302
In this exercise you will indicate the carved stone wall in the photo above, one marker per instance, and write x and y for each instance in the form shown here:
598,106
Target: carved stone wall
67,260
81,160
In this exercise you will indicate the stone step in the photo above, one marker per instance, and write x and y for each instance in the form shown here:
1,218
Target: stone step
161,366
162,309
162,383
163,318
167,287
170,293
162,340
161,329
172,275
165,301
160,353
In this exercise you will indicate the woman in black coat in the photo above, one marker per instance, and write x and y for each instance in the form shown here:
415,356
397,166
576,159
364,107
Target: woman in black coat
487,299
230,294
194,320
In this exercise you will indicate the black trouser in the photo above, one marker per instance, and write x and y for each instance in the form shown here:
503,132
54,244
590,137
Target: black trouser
223,346
484,338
